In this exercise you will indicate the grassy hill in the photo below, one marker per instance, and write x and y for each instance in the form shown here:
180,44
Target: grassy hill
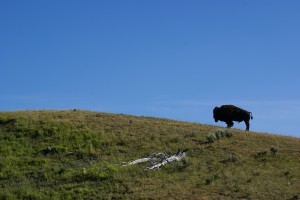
77,155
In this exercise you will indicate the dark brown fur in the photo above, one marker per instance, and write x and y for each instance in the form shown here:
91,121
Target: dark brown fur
230,113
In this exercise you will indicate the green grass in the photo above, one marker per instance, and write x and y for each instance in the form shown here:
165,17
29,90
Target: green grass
77,155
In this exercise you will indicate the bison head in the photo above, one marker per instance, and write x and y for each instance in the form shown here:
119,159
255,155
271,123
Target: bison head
216,114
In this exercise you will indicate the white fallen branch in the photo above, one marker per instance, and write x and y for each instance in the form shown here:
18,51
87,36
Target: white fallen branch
138,161
177,157
153,158
158,159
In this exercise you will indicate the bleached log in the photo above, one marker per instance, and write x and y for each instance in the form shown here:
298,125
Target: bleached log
158,159
177,157
153,158
138,161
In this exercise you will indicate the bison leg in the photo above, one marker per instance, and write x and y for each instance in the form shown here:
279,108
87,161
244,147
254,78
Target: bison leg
247,125
229,124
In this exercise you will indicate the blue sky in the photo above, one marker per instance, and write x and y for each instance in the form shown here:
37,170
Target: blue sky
172,59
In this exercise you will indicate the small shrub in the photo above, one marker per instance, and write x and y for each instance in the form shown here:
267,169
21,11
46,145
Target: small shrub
274,150
223,133
231,159
260,154
183,164
288,173
98,115
210,179
228,134
212,137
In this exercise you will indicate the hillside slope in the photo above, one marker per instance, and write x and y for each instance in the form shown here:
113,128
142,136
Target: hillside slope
78,155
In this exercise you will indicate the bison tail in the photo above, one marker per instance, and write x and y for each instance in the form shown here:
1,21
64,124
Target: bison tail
251,115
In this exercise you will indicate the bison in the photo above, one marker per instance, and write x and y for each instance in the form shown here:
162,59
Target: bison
230,113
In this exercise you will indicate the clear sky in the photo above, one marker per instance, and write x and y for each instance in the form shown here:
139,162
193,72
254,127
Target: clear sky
162,58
